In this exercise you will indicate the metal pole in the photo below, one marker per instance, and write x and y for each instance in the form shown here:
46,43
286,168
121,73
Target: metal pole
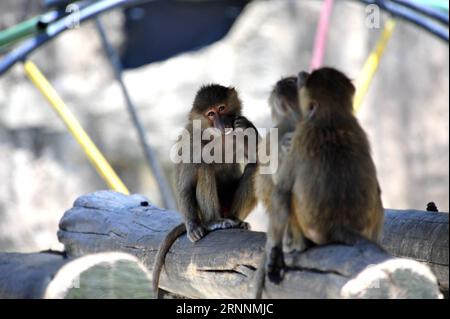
149,153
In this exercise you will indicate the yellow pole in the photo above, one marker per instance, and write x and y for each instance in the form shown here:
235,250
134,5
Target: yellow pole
371,65
92,152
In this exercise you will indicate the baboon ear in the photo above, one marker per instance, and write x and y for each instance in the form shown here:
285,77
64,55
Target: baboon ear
301,79
232,90
233,96
313,105
351,86
353,89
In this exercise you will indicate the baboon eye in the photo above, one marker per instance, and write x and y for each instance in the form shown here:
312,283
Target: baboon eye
221,108
210,114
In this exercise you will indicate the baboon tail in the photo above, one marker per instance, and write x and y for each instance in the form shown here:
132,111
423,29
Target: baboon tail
164,247
260,277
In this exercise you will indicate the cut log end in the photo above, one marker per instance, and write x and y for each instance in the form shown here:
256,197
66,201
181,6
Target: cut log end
393,279
44,275
112,275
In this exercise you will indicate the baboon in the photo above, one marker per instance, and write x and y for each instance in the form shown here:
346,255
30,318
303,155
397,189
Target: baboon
327,180
285,111
212,195
284,106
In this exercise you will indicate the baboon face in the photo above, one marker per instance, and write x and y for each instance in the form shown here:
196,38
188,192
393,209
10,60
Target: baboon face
216,106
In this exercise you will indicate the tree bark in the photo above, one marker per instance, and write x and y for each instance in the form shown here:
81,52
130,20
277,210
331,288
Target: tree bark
223,264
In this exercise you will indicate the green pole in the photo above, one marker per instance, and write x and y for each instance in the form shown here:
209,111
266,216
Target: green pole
19,31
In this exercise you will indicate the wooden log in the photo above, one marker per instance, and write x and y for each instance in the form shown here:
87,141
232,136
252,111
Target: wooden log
419,235
50,276
223,264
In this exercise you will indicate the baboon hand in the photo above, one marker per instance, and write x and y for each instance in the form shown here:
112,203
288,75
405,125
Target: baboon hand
242,122
195,231
286,142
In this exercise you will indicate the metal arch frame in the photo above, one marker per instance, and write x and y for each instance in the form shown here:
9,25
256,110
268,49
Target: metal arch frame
429,12
409,14
91,10
100,6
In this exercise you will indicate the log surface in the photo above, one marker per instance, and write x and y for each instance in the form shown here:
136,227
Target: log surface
419,235
27,275
223,263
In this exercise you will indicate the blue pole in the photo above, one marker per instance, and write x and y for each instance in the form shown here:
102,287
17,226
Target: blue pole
431,12
411,16
60,26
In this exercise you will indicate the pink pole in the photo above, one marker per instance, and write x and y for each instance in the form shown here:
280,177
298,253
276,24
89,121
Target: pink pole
321,35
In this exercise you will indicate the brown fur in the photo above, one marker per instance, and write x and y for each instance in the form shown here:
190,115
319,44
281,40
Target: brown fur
284,106
329,179
211,195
